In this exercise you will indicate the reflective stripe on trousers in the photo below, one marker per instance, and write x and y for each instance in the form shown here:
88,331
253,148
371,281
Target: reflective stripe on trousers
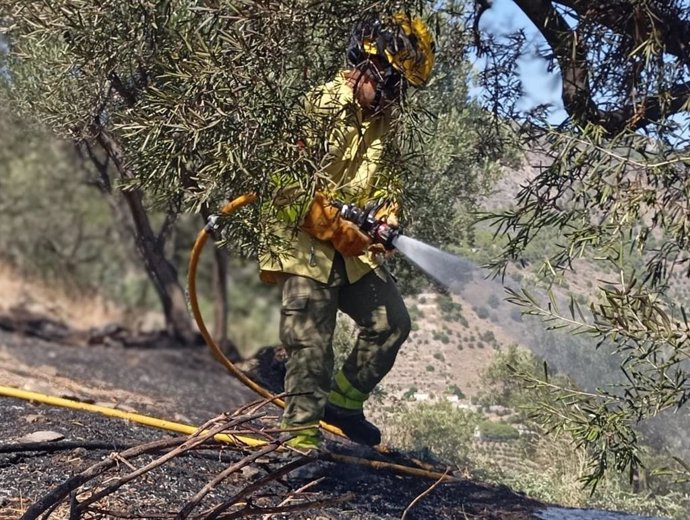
308,317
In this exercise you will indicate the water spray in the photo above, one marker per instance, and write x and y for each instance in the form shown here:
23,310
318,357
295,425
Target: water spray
446,268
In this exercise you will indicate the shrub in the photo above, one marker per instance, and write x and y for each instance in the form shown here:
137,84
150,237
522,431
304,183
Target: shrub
438,429
446,304
488,336
439,356
410,392
449,309
440,336
430,368
455,390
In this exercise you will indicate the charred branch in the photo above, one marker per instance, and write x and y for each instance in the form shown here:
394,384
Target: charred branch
63,490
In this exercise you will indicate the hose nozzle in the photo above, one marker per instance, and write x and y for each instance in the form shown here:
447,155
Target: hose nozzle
379,231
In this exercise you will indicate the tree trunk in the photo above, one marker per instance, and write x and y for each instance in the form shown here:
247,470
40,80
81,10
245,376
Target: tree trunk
161,272
220,299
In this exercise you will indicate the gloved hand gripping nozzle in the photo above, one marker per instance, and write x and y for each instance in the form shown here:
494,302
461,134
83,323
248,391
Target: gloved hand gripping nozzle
379,231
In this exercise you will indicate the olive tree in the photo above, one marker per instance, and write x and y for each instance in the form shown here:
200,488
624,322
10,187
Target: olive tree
189,102
195,102
54,225
614,184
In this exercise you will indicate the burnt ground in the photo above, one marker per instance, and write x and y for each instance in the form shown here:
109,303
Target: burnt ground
187,385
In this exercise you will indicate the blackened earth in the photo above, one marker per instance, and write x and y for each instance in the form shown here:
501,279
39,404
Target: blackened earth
187,385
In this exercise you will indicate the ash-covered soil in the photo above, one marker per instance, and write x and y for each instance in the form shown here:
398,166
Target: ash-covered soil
187,385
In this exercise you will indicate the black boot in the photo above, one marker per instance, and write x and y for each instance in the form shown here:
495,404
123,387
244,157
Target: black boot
353,424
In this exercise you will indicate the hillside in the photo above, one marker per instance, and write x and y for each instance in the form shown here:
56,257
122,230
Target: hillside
184,385
187,385
454,340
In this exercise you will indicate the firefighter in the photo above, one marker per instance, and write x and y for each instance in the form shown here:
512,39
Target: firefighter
329,265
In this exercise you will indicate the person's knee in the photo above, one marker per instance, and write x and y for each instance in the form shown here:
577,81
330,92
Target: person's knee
399,325
403,325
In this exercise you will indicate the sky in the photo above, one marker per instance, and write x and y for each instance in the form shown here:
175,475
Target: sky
540,86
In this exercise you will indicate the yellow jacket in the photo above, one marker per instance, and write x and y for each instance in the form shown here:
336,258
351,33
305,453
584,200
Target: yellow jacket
353,154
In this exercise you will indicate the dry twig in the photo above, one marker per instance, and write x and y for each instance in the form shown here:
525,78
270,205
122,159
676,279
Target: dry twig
212,514
250,510
189,506
422,495
295,493
195,440
61,491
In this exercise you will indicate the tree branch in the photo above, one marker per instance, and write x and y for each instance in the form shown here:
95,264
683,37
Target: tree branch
620,16
571,54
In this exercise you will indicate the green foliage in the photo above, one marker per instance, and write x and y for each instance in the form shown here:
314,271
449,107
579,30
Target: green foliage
456,391
612,189
55,224
438,428
451,311
416,314
206,101
501,385
547,467
409,393
344,338
498,431
440,336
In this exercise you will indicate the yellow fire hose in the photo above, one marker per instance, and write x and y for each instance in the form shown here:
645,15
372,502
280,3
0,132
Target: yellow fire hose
220,356
201,239
120,414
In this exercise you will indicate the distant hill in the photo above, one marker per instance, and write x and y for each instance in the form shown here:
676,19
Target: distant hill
455,338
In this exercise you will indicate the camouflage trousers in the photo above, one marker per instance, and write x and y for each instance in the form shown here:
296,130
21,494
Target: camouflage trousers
308,319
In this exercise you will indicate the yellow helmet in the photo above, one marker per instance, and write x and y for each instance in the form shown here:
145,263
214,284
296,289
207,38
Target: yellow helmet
404,42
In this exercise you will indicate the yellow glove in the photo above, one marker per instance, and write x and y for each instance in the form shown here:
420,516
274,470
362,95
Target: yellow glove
323,222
